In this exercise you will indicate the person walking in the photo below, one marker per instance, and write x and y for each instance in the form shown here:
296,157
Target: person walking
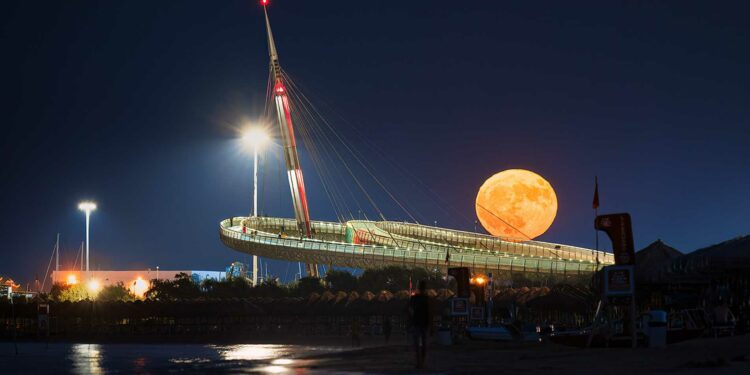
419,317
356,342
387,328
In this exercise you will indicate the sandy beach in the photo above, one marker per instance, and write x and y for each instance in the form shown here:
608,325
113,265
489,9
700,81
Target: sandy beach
716,356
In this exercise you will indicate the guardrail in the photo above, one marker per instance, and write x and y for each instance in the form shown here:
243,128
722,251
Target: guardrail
479,242
260,239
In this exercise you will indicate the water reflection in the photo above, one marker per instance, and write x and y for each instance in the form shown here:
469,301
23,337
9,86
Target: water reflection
276,359
139,365
189,361
274,369
254,352
86,358
282,361
162,358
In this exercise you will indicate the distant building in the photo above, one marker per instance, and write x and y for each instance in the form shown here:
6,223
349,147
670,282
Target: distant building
200,276
137,281
237,270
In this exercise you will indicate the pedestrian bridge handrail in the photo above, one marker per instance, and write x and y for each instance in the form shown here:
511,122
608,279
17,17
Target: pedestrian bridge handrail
280,238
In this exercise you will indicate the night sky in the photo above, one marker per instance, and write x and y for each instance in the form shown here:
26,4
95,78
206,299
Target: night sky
135,104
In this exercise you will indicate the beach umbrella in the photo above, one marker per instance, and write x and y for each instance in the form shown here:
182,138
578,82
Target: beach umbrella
353,296
367,295
402,295
340,296
384,296
444,294
327,296
313,297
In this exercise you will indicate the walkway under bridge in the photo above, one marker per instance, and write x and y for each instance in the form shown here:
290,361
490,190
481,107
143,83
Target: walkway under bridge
370,244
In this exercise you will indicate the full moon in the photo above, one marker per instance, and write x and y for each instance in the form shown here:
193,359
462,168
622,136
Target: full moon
516,204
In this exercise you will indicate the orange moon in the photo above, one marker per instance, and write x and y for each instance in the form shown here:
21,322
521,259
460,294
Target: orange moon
516,204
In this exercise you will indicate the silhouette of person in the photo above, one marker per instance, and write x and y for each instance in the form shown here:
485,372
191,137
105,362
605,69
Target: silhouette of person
355,333
387,328
419,317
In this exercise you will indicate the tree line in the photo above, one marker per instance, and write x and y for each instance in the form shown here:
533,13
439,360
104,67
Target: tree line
390,278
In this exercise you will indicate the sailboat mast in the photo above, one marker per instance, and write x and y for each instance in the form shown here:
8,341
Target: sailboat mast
57,253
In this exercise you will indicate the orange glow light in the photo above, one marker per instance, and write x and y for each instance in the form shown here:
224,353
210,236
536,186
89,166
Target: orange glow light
139,287
72,279
94,286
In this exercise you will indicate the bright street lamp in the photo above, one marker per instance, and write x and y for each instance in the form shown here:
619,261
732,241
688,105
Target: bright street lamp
87,207
255,138
94,286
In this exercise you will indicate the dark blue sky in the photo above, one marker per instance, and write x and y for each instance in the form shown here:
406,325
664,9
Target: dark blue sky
134,104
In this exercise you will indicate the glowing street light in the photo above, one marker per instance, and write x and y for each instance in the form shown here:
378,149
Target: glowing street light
139,287
94,286
72,279
255,138
87,207
478,280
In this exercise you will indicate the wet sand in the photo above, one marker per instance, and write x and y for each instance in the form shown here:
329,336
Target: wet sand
702,356
315,355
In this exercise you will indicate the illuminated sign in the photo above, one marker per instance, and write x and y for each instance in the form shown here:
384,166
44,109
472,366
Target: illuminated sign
618,281
477,313
460,306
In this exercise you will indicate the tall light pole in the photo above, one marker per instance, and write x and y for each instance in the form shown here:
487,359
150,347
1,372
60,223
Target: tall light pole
255,138
87,207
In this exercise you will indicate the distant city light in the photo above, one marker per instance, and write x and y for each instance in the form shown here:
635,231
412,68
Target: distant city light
479,280
94,286
139,287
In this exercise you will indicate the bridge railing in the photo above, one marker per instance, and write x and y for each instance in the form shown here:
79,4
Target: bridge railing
425,238
475,241
384,254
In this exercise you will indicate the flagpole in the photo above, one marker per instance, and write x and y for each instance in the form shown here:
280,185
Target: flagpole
595,206
596,214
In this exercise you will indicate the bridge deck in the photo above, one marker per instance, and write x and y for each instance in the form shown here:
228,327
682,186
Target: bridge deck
368,244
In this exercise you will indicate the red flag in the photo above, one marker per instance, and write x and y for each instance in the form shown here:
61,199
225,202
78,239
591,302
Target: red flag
595,204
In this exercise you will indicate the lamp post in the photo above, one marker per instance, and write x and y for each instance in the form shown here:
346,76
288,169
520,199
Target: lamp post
255,138
87,207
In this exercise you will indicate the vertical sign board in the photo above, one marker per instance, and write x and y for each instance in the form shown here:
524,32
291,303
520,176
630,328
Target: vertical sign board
477,313
619,229
459,306
618,281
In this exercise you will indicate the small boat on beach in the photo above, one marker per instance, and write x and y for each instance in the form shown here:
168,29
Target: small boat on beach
682,325
501,333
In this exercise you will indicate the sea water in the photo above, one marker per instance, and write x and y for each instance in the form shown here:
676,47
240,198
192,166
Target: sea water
77,358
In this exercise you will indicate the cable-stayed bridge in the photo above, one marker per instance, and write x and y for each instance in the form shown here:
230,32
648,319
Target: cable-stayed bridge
368,244
365,243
